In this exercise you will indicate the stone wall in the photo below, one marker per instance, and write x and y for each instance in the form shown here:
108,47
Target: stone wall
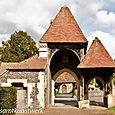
30,76
69,88
33,81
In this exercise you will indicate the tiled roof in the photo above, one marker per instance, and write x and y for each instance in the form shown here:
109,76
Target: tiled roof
2,70
64,28
65,78
33,62
4,66
97,57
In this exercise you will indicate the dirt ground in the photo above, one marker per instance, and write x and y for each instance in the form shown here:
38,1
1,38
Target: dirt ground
72,111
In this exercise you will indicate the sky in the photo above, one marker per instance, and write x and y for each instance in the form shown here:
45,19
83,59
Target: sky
96,18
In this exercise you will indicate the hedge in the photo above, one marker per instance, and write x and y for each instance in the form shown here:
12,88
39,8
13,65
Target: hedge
8,97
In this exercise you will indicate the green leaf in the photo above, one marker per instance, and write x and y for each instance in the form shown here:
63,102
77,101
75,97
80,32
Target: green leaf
20,46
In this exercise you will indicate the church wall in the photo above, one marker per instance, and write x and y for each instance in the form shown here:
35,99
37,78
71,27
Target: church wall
43,50
41,87
29,79
69,88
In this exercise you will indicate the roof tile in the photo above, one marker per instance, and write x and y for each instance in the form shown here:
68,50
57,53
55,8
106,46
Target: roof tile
33,62
64,28
65,78
97,57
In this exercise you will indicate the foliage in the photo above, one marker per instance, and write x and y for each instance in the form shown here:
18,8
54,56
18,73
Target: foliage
8,99
57,93
57,86
112,109
71,94
93,81
113,79
20,46
97,85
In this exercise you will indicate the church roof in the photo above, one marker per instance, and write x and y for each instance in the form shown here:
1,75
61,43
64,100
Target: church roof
97,57
33,62
4,66
63,28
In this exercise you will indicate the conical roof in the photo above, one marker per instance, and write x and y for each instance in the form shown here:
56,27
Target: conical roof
64,28
97,57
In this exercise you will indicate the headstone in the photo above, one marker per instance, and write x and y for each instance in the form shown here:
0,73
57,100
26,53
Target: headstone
110,100
83,104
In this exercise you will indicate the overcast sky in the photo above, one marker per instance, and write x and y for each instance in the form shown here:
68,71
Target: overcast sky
95,17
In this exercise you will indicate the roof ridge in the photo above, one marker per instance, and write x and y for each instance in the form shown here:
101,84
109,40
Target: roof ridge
29,58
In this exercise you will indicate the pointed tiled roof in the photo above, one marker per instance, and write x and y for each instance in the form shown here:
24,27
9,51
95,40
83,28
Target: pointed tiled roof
97,57
64,28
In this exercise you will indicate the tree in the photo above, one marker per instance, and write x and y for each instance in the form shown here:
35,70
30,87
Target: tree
20,46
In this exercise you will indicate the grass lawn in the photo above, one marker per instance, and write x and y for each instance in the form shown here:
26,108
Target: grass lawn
111,109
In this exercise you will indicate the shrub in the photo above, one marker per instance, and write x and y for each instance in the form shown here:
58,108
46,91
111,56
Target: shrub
8,97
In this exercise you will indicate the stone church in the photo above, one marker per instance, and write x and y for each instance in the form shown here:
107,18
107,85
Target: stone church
62,49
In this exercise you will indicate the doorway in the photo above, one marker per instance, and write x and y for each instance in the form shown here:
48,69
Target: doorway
64,74
65,89
96,92
21,95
